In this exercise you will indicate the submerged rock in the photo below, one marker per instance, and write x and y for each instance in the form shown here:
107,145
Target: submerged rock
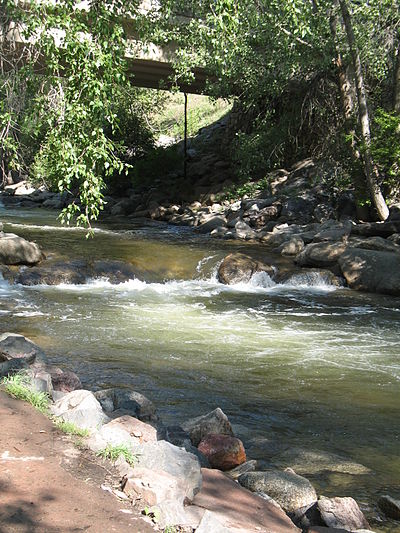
239,268
390,507
288,489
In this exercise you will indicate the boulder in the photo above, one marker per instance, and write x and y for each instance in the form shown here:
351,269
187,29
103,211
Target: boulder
376,229
299,209
115,271
342,513
81,408
223,451
321,254
126,401
390,507
371,271
152,487
14,346
244,231
164,456
288,489
212,223
64,380
313,278
378,244
238,509
215,422
40,381
293,246
137,429
15,250
239,268
72,272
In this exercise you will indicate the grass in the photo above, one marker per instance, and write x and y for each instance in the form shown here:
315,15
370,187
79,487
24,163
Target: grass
113,452
69,428
19,386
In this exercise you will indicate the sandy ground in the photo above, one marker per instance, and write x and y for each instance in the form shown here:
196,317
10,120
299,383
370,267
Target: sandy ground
47,485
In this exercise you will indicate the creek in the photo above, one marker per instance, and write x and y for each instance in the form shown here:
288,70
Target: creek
305,365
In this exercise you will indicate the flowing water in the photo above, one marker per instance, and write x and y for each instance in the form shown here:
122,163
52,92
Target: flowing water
301,365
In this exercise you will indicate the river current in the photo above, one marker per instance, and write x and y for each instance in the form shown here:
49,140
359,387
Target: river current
302,366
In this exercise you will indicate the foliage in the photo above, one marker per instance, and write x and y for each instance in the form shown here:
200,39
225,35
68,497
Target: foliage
386,146
113,452
70,428
19,386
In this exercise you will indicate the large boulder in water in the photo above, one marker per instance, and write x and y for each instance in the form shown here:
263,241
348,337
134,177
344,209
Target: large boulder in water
216,422
125,401
15,250
371,271
223,451
239,268
72,272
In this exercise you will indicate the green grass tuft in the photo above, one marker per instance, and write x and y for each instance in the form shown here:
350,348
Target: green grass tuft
69,428
113,452
19,386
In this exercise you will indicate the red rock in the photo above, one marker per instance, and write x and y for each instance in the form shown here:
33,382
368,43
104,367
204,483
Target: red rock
64,380
223,451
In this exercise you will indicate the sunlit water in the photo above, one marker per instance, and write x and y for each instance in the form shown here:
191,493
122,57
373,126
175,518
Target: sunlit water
301,364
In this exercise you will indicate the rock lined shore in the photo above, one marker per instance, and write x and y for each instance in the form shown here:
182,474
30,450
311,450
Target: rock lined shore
196,475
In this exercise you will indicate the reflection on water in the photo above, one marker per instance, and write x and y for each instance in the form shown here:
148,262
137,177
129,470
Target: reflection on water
302,365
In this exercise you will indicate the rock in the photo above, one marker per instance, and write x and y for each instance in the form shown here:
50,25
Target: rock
8,368
376,229
239,268
127,402
288,489
116,435
164,456
292,247
152,487
371,271
115,271
313,278
244,231
14,346
223,451
374,243
257,204
74,272
321,254
56,202
238,509
137,429
307,461
215,422
64,380
186,518
15,250
40,381
248,466
333,232
342,513
211,224
179,437
390,507
81,408
299,209
211,522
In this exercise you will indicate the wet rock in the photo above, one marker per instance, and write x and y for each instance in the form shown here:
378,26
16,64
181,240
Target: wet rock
236,507
321,254
390,507
15,250
164,456
313,278
342,513
239,268
115,271
211,224
215,422
306,461
73,272
288,489
64,380
223,451
81,408
126,401
371,271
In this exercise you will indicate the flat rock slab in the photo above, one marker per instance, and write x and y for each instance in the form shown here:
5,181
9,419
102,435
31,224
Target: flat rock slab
238,508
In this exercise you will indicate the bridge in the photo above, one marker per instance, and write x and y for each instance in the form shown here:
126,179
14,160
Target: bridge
152,67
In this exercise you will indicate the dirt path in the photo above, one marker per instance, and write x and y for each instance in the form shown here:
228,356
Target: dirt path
48,486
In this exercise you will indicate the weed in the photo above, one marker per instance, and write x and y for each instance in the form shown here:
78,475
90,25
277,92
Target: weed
19,386
113,452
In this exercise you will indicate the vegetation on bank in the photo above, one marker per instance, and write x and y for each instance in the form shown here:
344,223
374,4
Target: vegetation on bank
18,386
318,78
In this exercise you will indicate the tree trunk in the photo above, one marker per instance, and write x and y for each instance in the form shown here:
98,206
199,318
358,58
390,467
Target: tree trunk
371,172
396,82
347,96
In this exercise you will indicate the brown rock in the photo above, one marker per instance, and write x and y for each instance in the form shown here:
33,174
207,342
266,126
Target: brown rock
222,451
64,380
342,513
236,507
390,507
238,268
